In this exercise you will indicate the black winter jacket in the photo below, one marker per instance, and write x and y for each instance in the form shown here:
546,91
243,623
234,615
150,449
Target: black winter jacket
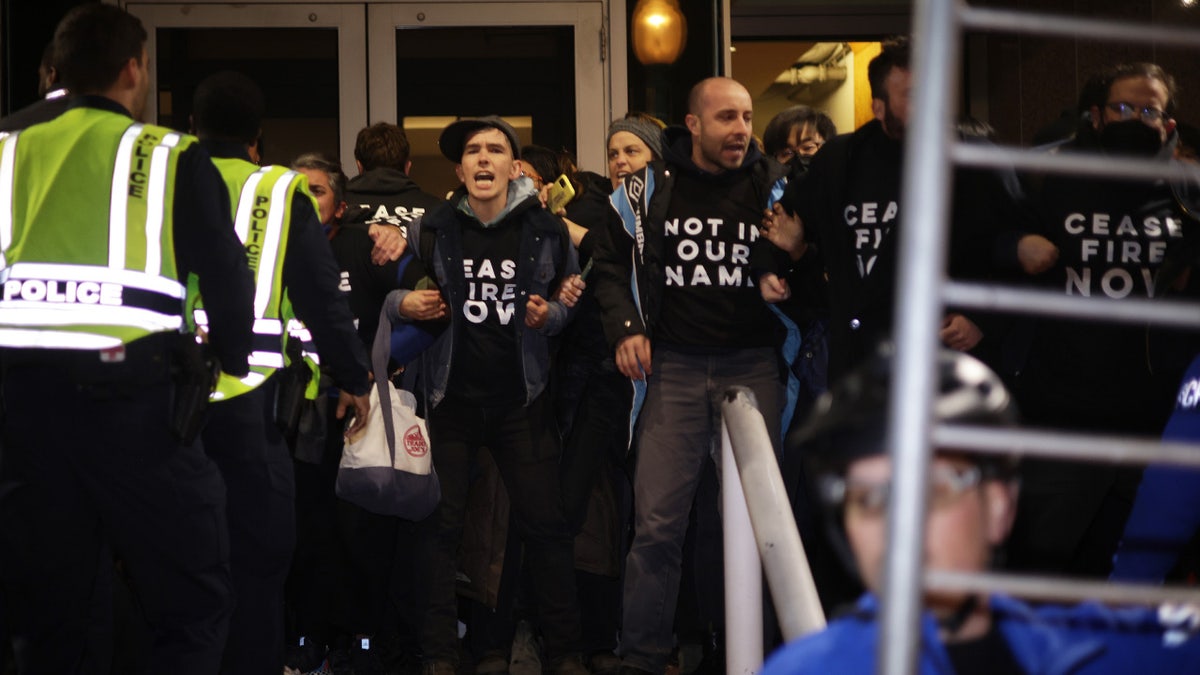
617,263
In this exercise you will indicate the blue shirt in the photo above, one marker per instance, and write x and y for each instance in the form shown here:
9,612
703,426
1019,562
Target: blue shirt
1089,639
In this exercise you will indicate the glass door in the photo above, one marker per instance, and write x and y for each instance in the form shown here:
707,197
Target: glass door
538,65
309,59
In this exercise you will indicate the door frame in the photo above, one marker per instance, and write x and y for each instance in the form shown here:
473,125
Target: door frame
593,88
346,18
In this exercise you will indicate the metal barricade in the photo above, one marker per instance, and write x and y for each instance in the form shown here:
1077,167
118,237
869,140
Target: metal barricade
922,295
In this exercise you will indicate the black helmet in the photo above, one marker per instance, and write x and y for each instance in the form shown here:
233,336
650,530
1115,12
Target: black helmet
850,421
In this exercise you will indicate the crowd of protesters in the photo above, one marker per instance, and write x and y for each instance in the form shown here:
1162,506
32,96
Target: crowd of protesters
569,337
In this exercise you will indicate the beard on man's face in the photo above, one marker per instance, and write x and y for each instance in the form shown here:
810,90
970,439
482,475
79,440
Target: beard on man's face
893,126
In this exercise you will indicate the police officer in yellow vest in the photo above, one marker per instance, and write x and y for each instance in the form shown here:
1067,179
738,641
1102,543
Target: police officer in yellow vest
295,277
102,220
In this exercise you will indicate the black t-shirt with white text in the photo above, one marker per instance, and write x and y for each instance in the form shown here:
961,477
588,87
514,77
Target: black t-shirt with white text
870,208
486,366
365,283
711,300
1113,239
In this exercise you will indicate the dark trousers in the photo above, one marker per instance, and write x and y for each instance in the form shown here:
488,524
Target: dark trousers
317,575
524,443
1071,514
88,460
678,433
352,572
1070,517
598,435
594,412
241,437
318,590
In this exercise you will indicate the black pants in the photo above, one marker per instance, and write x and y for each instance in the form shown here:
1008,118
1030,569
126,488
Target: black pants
89,459
524,443
241,437
599,401
318,573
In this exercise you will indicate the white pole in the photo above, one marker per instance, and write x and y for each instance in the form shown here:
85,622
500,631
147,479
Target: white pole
743,573
777,539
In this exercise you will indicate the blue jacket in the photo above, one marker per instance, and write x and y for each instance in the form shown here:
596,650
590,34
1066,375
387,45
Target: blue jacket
544,241
1166,512
1088,639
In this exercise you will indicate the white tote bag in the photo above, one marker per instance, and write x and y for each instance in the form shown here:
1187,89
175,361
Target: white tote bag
387,468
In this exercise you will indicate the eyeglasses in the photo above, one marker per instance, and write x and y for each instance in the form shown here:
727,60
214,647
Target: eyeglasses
806,149
946,485
537,180
1128,111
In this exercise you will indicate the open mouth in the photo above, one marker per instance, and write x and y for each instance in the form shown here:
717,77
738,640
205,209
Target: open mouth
485,177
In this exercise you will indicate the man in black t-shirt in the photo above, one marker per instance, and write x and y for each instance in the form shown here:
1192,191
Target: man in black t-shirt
843,247
685,233
497,257
1116,239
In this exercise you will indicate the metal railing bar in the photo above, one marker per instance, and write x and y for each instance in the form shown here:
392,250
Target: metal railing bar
1053,444
1161,312
1059,589
924,205
1114,30
1076,163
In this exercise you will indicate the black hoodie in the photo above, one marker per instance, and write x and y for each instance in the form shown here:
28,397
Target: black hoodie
385,196
849,203
694,281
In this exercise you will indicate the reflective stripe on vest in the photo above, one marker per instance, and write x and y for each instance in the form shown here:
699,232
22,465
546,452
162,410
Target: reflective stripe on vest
264,248
94,301
155,191
270,253
308,347
51,295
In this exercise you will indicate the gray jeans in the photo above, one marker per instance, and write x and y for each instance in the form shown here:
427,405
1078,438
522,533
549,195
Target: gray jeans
678,430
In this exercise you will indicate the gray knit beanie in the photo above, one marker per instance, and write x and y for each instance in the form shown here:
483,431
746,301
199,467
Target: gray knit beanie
646,130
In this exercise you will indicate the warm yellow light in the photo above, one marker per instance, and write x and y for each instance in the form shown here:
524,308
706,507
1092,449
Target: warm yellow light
659,31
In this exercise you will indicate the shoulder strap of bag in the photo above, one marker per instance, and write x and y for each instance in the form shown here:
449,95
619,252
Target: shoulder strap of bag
425,242
380,350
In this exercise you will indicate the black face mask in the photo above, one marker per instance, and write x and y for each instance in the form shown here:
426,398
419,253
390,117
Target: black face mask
1130,137
798,165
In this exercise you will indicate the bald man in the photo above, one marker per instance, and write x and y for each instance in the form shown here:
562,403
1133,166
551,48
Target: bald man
691,325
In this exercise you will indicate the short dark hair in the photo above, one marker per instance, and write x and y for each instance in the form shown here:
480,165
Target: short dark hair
382,145
775,136
543,160
316,161
228,106
1139,69
92,43
895,54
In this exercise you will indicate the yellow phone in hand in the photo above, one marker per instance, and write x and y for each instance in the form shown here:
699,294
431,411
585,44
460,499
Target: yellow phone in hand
560,194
